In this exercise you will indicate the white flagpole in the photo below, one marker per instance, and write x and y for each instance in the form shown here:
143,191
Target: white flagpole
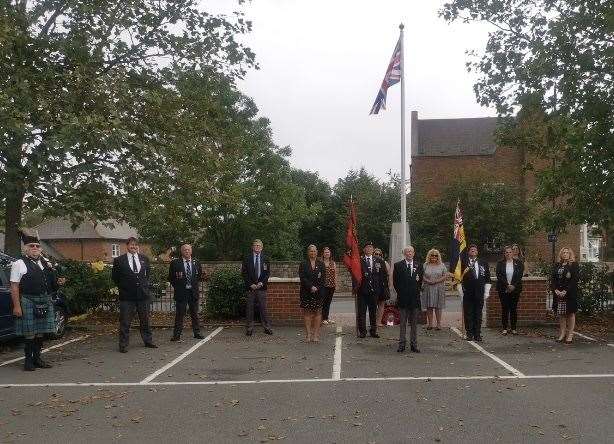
403,181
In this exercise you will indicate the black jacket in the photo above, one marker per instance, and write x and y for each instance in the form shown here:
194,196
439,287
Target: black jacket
375,281
407,283
565,277
309,277
472,286
502,282
132,286
178,279
248,271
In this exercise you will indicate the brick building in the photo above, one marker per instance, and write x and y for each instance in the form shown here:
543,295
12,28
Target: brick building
87,242
441,148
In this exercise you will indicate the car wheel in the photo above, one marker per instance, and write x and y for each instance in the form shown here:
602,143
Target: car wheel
59,323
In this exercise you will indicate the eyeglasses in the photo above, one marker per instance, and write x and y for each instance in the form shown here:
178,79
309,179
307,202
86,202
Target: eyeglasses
34,245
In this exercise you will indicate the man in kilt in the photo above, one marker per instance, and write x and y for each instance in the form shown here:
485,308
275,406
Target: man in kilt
32,282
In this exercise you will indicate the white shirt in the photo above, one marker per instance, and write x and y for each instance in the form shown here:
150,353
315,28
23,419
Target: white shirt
185,266
136,258
509,271
476,269
18,269
409,264
369,261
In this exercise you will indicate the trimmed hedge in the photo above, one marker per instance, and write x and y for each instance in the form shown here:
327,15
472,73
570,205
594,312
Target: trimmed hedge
226,296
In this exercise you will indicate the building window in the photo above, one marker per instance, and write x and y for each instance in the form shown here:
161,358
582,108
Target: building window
114,250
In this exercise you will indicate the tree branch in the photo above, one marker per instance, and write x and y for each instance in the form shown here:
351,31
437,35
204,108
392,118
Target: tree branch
51,20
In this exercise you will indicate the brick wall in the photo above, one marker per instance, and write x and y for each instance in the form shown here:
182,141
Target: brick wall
284,269
532,308
283,303
91,250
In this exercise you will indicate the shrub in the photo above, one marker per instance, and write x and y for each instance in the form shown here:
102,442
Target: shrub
87,285
226,296
594,293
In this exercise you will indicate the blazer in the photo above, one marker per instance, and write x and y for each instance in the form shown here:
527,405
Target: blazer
473,286
132,286
375,281
178,279
565,277
407,283
248,271
502,282
309,277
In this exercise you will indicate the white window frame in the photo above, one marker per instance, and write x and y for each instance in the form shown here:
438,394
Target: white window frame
115,248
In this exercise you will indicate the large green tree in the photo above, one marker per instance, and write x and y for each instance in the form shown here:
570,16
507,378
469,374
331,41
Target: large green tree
555,60
83,89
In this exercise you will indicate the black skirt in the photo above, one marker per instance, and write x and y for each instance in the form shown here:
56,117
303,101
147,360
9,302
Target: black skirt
312,301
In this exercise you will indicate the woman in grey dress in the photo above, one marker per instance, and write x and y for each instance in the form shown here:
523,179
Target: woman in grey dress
433,297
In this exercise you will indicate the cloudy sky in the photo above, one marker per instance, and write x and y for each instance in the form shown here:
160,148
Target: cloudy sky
321,65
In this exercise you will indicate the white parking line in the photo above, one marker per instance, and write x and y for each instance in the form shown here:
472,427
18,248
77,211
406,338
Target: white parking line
296,381
181,357
337,358
498,360
610,345
585,336
45,350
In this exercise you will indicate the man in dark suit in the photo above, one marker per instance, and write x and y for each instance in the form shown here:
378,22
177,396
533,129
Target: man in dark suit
476,286
131,275
184,275
407,281
256,269
374,282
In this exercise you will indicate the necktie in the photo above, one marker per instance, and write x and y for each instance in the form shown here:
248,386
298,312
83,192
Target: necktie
370,263
188,272
134,267
257,266
475,269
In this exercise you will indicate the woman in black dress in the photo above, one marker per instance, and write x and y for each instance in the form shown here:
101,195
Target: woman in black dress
564,286
312,273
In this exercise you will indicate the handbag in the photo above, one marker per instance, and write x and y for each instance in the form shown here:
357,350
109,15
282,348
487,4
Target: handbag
40,311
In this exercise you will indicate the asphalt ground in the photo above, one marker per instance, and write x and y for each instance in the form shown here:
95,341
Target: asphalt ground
231,388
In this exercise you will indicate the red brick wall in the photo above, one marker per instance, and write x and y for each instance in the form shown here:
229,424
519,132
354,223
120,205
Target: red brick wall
531,307
283,302
90,250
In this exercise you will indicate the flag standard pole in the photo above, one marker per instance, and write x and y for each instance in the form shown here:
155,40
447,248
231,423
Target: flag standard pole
403,180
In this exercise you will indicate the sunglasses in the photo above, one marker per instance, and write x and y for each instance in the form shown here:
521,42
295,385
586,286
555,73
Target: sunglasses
34,245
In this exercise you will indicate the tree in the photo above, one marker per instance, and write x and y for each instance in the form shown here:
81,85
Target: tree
82,89
555,60
495,215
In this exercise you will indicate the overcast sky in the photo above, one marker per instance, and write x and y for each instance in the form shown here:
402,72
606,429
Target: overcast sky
321,65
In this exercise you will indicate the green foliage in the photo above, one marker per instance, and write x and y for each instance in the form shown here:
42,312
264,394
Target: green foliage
594,291
85,287
85,95
494,215
226,295
553,59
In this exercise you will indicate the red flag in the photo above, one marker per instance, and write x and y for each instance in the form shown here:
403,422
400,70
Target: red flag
351,258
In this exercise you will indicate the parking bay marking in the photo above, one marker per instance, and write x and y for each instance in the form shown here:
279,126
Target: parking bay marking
337,358
181,357
45,350
498,360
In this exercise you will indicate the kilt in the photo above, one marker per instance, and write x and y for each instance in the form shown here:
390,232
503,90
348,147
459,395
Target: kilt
27,325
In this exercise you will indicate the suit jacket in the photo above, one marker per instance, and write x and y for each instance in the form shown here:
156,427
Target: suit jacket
502,282
178,278
375,281
565,277
407,283
248,271
309,277
132,286
473,286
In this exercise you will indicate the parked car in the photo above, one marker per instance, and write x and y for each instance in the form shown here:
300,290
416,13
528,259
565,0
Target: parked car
7,320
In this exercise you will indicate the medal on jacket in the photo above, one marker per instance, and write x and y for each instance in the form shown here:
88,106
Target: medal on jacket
568,275
264,267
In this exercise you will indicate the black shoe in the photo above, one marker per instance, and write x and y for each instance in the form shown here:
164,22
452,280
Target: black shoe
415,349
401,349
374,335
150,345
362,335
198,336
37,346
469,338
249,333
478,339
268,331
123,349
175,338
28,364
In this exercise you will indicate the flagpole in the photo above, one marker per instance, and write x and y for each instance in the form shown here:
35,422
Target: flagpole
403,180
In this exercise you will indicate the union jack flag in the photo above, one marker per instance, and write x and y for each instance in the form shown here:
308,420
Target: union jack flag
393,75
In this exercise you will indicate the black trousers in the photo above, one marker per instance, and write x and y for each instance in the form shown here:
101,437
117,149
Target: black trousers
472,312
509,309
367,301
259,297
411,315
126,313
328,298
180,309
